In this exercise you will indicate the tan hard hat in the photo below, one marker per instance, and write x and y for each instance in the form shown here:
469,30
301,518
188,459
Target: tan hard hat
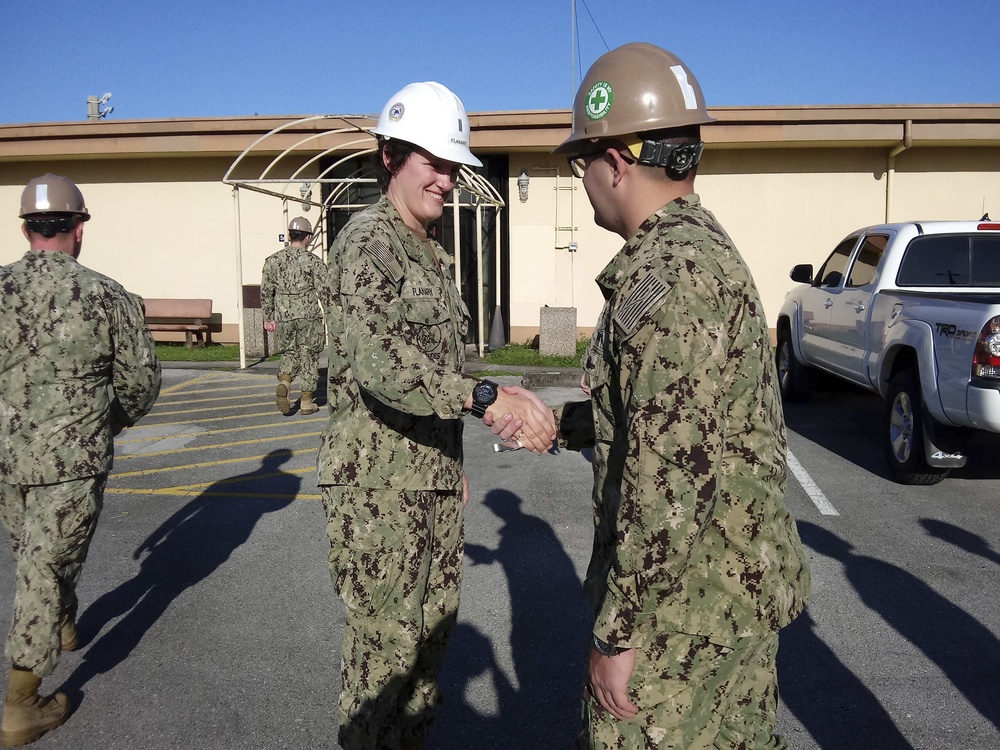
300,224
632,89
52,194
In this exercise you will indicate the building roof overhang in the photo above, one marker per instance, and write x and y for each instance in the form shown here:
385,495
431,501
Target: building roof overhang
505,132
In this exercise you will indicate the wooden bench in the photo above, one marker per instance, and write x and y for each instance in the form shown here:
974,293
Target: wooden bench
192,316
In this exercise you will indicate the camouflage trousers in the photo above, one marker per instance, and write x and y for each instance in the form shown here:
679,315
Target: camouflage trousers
396,563
301,342
50,531
693,694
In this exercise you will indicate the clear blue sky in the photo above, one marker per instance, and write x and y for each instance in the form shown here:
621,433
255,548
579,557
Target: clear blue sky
188,58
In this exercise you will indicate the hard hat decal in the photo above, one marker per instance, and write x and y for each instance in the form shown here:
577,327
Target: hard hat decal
690,98
42,197
599,100
396,112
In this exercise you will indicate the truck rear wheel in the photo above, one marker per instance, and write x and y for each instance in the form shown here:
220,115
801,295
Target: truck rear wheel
903,432
791,372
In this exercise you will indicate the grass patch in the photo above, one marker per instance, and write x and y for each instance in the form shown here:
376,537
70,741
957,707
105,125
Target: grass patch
526,355
170,352
512,355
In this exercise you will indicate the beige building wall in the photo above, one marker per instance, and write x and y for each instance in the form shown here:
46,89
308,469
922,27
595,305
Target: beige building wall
165,228
780,206
786,183
543,268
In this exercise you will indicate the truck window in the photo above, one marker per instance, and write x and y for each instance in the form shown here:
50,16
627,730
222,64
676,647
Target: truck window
863,270
831,273
951,260
986,261
936,260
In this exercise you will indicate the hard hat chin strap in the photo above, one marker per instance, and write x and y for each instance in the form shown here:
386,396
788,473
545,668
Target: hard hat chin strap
676,159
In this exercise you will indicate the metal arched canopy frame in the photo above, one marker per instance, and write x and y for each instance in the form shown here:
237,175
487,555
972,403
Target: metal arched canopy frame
293,164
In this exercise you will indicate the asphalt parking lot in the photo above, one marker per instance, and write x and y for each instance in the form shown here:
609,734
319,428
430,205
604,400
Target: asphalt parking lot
209,621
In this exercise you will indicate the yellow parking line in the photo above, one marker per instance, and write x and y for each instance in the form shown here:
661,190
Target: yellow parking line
212,376
244,478
223,462
146,421
183,384
177,492
244,385
217,445
191,411
199,433
189,400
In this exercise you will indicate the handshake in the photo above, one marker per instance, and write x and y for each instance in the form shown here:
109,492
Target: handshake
517,416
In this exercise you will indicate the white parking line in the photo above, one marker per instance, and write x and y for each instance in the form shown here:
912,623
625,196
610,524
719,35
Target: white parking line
812,489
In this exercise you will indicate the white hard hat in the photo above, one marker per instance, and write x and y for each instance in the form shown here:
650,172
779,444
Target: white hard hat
430,116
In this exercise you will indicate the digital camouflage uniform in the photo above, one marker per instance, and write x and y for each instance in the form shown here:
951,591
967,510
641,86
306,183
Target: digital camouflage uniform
390,466
293,286
696,562
76,363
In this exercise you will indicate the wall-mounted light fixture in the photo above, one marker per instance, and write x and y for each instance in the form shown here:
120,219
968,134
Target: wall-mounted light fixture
305,190
522,186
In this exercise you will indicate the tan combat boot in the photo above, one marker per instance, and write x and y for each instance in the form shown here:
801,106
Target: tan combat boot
281,394
26,714
67,633
307,405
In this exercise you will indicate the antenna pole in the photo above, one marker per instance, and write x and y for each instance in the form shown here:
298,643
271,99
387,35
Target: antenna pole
572,50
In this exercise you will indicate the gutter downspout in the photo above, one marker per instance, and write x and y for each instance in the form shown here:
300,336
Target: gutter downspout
891,168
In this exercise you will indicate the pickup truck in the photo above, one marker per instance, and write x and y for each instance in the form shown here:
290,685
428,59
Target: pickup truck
910,311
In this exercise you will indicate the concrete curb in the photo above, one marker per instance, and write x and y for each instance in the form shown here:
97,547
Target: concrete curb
555,379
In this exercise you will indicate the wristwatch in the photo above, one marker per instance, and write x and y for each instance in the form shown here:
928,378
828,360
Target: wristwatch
483,396
606,649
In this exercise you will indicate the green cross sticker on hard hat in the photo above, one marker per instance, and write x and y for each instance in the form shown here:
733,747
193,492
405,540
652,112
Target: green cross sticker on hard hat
599,100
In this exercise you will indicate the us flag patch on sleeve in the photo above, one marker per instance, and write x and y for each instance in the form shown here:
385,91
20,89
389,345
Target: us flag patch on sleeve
384,258
644,297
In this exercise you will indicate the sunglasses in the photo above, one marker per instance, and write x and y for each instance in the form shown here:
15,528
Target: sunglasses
578,164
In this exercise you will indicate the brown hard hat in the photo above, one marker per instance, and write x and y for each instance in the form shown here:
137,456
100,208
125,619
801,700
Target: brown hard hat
632,89
52,194
300,224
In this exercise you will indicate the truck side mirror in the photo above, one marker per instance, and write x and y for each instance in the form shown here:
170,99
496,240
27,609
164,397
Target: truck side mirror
802,273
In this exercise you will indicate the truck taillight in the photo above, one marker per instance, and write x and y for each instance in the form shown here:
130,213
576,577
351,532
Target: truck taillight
986,362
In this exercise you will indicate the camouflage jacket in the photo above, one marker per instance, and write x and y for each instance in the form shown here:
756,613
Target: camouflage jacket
396,352
691,530
293,285
75,354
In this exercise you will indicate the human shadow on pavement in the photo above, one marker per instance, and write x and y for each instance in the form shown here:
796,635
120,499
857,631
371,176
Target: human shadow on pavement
832,703
182,552
548,640
473,670
962,648
959,537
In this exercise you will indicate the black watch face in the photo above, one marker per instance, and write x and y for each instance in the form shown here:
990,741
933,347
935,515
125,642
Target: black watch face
484,393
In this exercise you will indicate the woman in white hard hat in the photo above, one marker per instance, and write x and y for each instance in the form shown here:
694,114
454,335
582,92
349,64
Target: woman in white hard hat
390,464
